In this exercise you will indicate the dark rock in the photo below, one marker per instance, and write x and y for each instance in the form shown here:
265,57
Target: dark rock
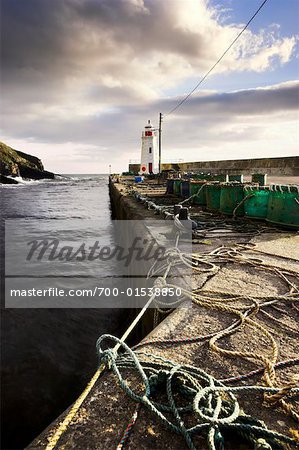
15,163
32,159
5,180
35,174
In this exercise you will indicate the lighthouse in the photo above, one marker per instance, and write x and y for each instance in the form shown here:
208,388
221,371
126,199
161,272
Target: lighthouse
149,151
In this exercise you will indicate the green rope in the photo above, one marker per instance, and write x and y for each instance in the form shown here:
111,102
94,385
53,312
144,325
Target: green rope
213,405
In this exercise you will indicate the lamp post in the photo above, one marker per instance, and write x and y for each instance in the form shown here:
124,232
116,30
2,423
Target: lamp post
160,139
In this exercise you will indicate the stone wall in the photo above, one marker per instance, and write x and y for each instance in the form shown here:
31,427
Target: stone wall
288,166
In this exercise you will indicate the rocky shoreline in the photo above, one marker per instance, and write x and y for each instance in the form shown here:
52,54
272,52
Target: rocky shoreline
14,163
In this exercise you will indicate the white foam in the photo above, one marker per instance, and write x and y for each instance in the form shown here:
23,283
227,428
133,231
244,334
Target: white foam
22,181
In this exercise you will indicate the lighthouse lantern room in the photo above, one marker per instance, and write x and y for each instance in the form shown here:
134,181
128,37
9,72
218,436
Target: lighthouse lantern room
149,151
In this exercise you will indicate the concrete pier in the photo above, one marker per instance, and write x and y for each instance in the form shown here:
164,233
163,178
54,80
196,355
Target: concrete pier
104,415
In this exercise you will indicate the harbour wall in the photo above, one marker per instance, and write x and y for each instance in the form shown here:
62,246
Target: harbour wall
124,207
283,166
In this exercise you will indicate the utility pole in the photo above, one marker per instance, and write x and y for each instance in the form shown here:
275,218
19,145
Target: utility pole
160,142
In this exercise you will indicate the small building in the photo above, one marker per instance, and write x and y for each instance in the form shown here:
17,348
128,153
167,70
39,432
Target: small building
149,151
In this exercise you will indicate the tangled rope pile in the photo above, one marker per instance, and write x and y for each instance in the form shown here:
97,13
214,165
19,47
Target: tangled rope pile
191,391
243,307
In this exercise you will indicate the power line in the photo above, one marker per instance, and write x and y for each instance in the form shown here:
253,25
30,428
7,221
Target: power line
217,62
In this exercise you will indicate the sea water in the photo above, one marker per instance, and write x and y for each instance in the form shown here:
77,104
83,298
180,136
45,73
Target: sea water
48,354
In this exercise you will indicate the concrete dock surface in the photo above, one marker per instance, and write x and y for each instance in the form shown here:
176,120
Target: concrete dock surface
254,264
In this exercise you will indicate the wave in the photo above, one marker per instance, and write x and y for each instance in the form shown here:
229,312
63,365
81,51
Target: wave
86,177
20,181
26,180
61,179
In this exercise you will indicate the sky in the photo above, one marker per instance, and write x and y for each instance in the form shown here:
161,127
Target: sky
80,79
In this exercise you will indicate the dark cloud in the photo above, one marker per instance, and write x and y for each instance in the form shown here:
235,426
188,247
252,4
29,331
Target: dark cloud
54,36
75,38
92,72
284,97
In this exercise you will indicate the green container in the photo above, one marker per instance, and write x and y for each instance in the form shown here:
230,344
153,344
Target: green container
213,196
283,206
230,197
185,189
169,186
177,187
201,176
222,178
236,178
256,206
260,178
194,187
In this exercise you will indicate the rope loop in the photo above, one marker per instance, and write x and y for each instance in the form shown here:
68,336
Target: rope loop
189,390
160,283
210,395
261,444
272,399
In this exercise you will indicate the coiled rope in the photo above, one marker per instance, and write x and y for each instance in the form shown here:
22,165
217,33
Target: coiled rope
212,405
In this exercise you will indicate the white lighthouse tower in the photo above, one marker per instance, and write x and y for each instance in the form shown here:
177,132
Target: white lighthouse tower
149,151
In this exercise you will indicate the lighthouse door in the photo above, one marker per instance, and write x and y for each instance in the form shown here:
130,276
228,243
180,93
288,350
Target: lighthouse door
150,167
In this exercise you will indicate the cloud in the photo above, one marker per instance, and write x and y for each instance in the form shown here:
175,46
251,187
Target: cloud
268,100
124,43
212,125
88,73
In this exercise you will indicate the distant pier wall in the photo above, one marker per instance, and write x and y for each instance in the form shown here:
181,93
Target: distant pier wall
285,166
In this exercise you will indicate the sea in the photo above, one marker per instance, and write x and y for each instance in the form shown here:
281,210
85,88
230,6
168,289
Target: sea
48,353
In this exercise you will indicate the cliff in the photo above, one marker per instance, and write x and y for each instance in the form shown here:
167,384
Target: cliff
18,164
